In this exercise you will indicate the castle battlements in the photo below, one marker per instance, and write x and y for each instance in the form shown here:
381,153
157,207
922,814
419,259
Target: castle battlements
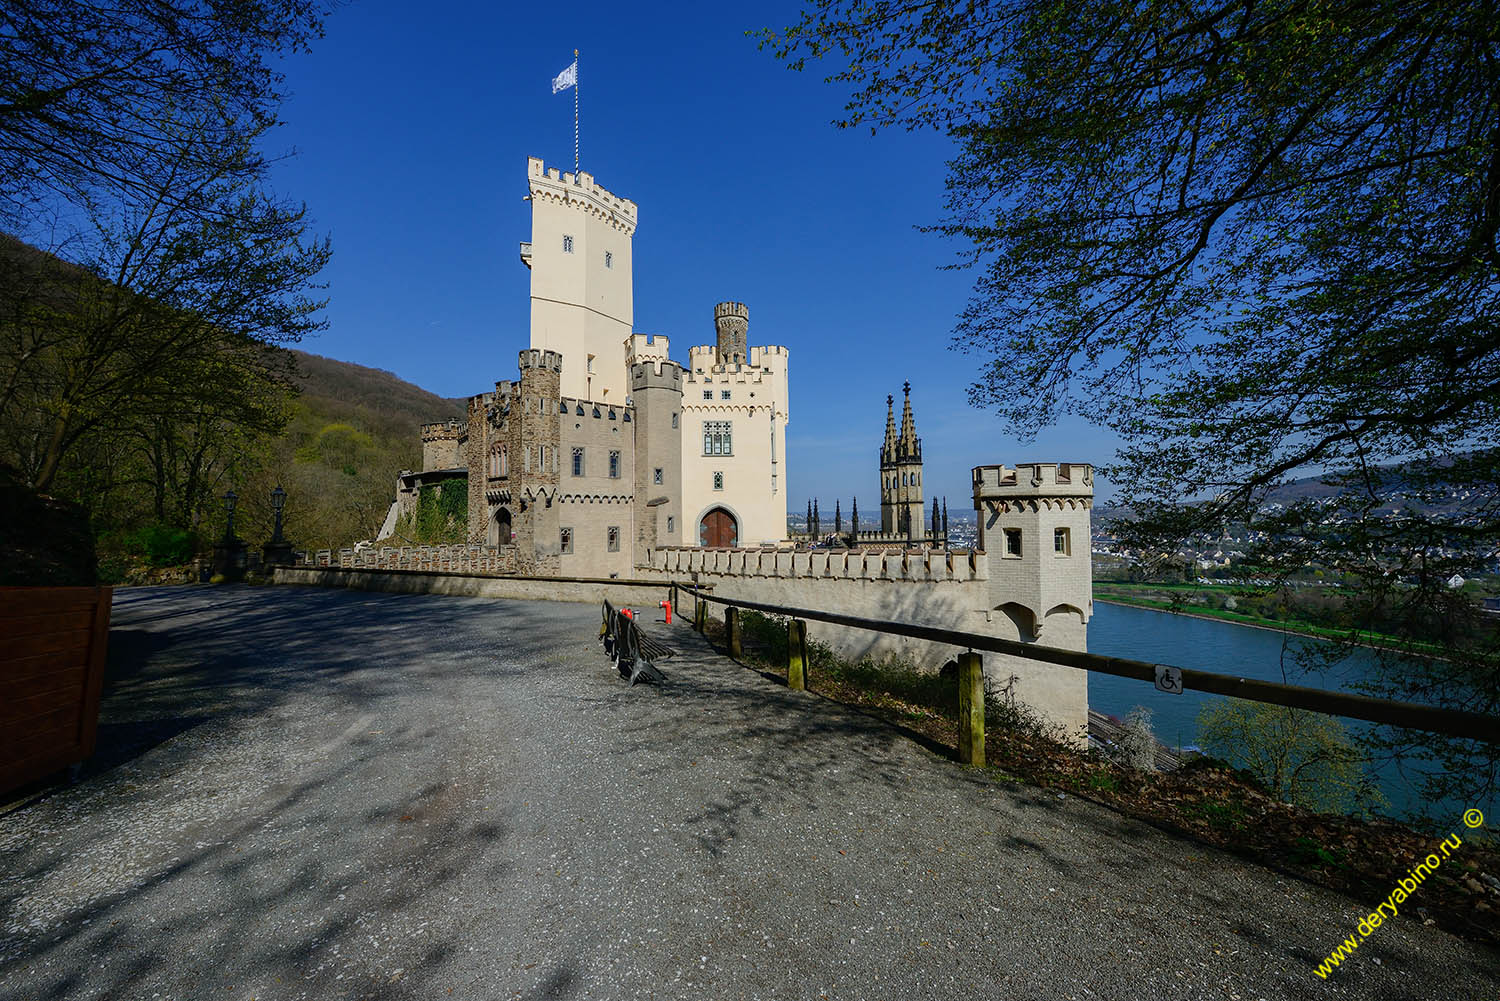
728,309
641,347
575,407
581,192
536,358
450,430
892,565
655,373
1034,479
705,357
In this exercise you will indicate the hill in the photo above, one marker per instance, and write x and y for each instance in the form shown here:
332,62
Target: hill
353,428
381,396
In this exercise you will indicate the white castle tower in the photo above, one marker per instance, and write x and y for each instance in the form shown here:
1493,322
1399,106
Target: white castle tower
734,415
1034,523
582,303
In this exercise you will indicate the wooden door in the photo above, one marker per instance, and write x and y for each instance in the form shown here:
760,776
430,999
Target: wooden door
718,529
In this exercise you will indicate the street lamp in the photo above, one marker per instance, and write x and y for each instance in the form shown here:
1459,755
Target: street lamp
229,500
278,501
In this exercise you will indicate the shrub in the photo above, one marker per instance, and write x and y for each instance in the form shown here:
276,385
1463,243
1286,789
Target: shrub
1138,743
162,545
1300,757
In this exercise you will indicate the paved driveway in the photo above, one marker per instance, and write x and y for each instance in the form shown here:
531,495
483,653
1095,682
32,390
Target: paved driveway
319,794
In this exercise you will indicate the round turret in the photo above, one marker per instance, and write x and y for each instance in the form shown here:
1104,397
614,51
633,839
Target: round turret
732,324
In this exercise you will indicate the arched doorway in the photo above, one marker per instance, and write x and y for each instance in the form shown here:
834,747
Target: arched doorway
718,529
500,527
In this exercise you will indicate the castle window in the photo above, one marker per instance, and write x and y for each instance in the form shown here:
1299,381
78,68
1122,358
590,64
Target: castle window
504,461
708,394
613,539
567,249
566,540
591,364
717,438
671,524
723,394
614,465
1062,545
562,406
577,462
718,481
674,420
656,476
609,259
1013,542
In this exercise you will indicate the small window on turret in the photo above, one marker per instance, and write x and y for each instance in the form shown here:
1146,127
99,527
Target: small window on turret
1013,542
674,420
708,394
1062,545
609,259
567,244
656,476
723,394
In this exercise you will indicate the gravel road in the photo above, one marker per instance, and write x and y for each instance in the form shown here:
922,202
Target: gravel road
307,793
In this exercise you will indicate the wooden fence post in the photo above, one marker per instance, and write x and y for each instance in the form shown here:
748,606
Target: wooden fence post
732,631
970,709
796,655
700,613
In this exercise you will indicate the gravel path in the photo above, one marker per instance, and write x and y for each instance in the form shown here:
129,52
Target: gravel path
304,793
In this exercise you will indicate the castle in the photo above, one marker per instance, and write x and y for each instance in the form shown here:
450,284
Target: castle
605,458
604,448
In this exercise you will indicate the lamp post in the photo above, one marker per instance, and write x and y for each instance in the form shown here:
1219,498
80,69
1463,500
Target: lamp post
229,553
229,501
277,552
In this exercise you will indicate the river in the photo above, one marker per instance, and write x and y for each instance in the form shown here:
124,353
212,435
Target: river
1226,648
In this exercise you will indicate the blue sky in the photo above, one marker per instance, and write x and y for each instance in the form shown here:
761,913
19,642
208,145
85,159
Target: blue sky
412,127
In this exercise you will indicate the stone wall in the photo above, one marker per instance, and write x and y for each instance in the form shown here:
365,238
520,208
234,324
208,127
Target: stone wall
469,559
949,589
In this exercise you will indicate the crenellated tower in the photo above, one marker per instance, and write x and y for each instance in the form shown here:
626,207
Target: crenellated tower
731,324
901,512
656,392
582,296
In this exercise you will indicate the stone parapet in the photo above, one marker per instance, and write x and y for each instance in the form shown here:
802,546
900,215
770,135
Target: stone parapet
871,565
468,559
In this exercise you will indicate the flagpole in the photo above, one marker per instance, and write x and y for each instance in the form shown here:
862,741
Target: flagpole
575,115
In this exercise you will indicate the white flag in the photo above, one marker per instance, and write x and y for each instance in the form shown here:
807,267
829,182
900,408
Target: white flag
567,78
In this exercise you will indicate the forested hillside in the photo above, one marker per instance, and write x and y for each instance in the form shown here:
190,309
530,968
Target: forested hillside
352,430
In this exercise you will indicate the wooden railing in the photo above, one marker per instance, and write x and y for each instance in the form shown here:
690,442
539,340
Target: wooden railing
1174,680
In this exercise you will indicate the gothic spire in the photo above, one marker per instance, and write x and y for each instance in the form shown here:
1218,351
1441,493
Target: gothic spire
908,425
890,423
